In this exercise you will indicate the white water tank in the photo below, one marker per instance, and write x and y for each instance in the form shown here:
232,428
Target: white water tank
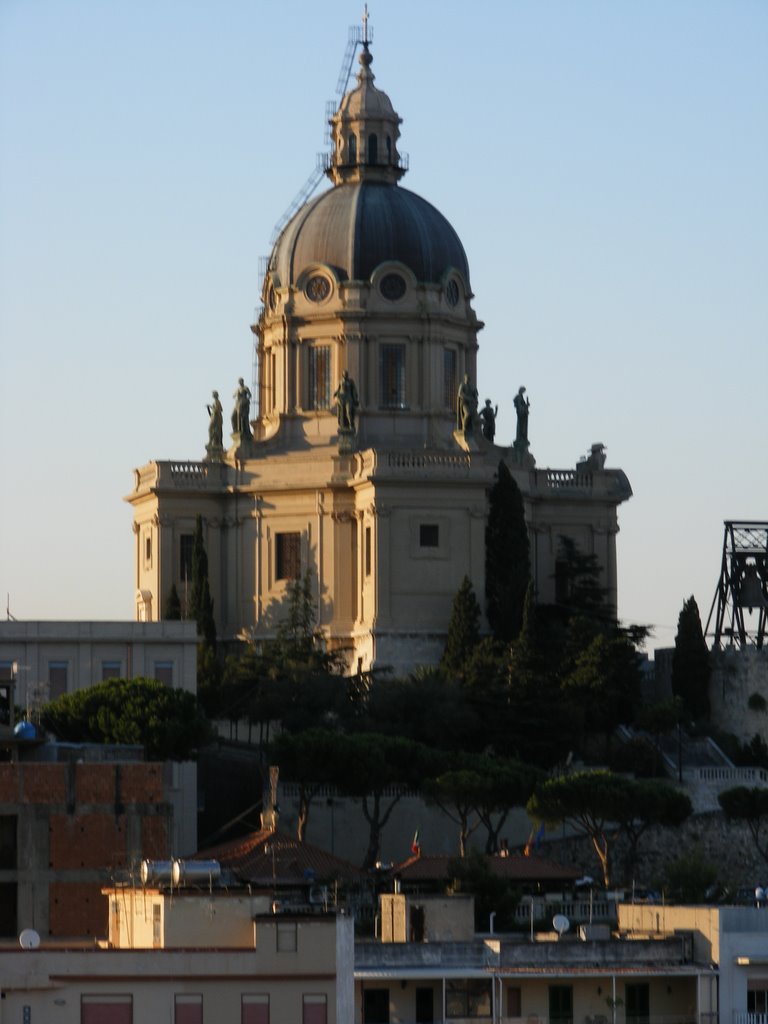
195,872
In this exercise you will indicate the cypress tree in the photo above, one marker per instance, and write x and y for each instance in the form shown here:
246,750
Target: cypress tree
172,609
463,630
690,662
200,601
507,557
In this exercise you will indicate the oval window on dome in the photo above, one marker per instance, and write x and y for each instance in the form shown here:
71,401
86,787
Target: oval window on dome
317,288
452,293
272,299
392,287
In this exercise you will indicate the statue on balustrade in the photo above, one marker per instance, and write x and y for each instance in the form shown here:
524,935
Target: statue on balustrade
488,416
241,414
466,405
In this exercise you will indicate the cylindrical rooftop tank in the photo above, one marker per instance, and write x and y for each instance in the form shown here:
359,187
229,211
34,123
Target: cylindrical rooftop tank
195,872
153,872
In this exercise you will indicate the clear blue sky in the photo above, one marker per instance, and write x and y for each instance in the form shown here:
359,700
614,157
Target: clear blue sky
605,164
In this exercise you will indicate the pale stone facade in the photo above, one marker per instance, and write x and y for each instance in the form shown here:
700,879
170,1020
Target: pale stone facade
375,482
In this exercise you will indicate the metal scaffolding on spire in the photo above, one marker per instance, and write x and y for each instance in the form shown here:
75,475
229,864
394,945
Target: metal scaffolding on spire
740,604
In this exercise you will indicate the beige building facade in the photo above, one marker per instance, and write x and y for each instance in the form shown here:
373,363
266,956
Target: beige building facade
365,460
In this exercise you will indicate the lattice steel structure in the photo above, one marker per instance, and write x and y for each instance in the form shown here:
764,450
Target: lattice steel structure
742,587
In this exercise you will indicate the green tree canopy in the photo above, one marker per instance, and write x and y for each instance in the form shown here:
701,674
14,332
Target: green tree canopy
690,662
481,790
370,765
310,759
601,805
170,724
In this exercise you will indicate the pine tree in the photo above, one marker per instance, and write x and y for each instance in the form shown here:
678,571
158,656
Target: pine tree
690,662
507,557
463,630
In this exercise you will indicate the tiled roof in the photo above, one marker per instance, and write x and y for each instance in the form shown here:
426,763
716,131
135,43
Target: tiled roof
515,868
271,857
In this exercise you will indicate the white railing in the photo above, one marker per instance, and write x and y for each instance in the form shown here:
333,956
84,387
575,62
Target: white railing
419,460
566,478
735,776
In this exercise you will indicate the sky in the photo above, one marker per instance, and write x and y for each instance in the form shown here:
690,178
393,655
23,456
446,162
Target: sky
605,163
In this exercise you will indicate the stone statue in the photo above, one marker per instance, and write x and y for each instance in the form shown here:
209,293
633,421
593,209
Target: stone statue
241,414
522,405
488,416
466,405
347,402
216,422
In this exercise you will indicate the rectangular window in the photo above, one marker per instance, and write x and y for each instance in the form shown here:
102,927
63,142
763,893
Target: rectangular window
7,676
148,550
637,1002
8,842
367,551
57,678
157,935
320,377
376,1006
103,1009
468,997
164,672
111,670
114,927
286,937
757,995
429,535
560,1004
425,1006
254,1009
315,1009
186,543
450,379
287,556
187,1009
8,903
514,1001
392,376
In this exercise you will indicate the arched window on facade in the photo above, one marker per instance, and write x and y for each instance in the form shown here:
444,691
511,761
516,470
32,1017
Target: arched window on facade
373,148
352,149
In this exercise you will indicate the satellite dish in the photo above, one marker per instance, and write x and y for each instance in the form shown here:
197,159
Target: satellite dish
561,924
29,939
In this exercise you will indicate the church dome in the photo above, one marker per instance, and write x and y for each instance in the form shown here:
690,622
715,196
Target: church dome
367,220
357,226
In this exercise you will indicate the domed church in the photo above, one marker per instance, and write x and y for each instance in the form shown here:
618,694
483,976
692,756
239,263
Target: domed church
363,458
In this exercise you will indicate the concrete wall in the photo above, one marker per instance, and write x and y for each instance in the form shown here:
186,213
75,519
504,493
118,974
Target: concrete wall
135,648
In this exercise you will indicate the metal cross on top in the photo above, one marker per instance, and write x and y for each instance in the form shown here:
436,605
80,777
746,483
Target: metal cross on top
365,26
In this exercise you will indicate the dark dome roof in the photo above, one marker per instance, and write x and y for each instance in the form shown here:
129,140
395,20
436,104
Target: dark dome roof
353,228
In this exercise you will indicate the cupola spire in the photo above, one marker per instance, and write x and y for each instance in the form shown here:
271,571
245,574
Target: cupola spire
365,129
